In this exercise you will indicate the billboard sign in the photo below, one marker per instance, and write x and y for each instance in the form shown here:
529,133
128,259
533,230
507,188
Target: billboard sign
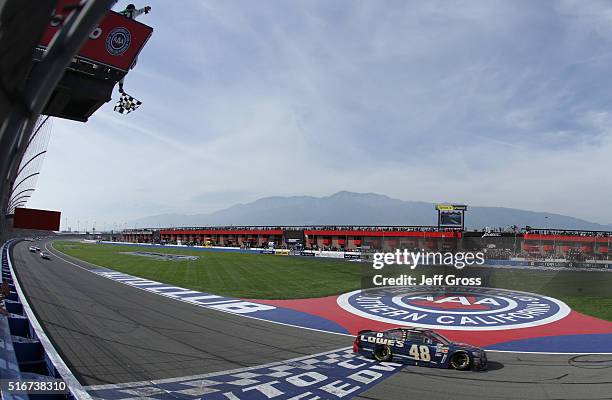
116,42
451,207
30,218
451,215
451,219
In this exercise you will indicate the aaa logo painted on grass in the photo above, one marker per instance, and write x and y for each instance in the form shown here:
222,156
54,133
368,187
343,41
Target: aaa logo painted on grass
454,308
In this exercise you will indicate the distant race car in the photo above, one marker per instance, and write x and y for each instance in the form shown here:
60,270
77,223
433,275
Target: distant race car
32,249
44,255
419,346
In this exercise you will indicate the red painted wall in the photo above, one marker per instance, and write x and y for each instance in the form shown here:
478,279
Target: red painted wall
30,218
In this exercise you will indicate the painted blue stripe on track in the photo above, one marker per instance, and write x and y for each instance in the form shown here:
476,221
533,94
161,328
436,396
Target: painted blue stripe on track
229,304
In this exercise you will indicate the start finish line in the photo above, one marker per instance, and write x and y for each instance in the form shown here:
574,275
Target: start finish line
338,374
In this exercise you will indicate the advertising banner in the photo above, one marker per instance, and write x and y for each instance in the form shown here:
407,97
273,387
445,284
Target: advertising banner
352,256
116,42
30,218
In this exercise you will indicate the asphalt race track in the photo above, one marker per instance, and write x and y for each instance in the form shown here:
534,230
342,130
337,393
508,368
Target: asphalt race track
109,333
510,376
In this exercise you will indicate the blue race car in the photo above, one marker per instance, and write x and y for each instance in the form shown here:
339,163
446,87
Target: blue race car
419,346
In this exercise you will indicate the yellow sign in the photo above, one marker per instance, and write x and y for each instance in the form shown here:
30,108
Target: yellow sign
445,207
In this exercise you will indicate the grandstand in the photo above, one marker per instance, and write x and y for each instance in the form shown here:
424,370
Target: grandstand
529,242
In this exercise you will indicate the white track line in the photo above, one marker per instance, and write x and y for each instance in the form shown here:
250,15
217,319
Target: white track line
282,323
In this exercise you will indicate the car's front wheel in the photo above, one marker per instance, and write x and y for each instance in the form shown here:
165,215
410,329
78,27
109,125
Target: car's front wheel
382,353
460,361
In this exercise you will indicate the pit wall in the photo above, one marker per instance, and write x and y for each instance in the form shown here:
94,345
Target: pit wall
557,263
553,263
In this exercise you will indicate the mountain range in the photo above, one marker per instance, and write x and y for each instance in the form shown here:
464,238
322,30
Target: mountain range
349,208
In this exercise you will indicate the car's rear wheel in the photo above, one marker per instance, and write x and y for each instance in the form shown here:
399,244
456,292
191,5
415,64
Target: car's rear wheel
382,353
460,361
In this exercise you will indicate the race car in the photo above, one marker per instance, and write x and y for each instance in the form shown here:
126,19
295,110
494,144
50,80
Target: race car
419,346
44,255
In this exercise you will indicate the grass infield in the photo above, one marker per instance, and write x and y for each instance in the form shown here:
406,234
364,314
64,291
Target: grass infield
264,276
256,276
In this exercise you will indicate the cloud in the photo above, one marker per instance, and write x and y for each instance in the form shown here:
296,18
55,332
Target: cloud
489,103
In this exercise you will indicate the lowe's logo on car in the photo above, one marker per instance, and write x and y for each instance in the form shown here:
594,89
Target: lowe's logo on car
454,308
380,340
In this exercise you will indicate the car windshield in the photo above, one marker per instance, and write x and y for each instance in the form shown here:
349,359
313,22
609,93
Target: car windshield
395,334
436,337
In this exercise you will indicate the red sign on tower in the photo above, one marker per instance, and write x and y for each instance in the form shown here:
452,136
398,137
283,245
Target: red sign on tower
116,42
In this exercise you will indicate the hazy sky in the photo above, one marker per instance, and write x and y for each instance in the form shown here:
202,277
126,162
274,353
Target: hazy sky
504,103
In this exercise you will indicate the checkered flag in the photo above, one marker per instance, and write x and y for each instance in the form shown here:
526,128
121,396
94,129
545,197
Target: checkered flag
127,104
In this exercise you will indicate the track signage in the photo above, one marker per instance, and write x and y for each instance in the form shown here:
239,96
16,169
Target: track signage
454,308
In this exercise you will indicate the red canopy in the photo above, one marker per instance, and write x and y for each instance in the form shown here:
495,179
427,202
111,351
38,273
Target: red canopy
548,247
357,242
340,241
603,249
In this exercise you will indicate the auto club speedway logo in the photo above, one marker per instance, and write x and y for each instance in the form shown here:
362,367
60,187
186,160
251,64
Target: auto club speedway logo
118,41
454,308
